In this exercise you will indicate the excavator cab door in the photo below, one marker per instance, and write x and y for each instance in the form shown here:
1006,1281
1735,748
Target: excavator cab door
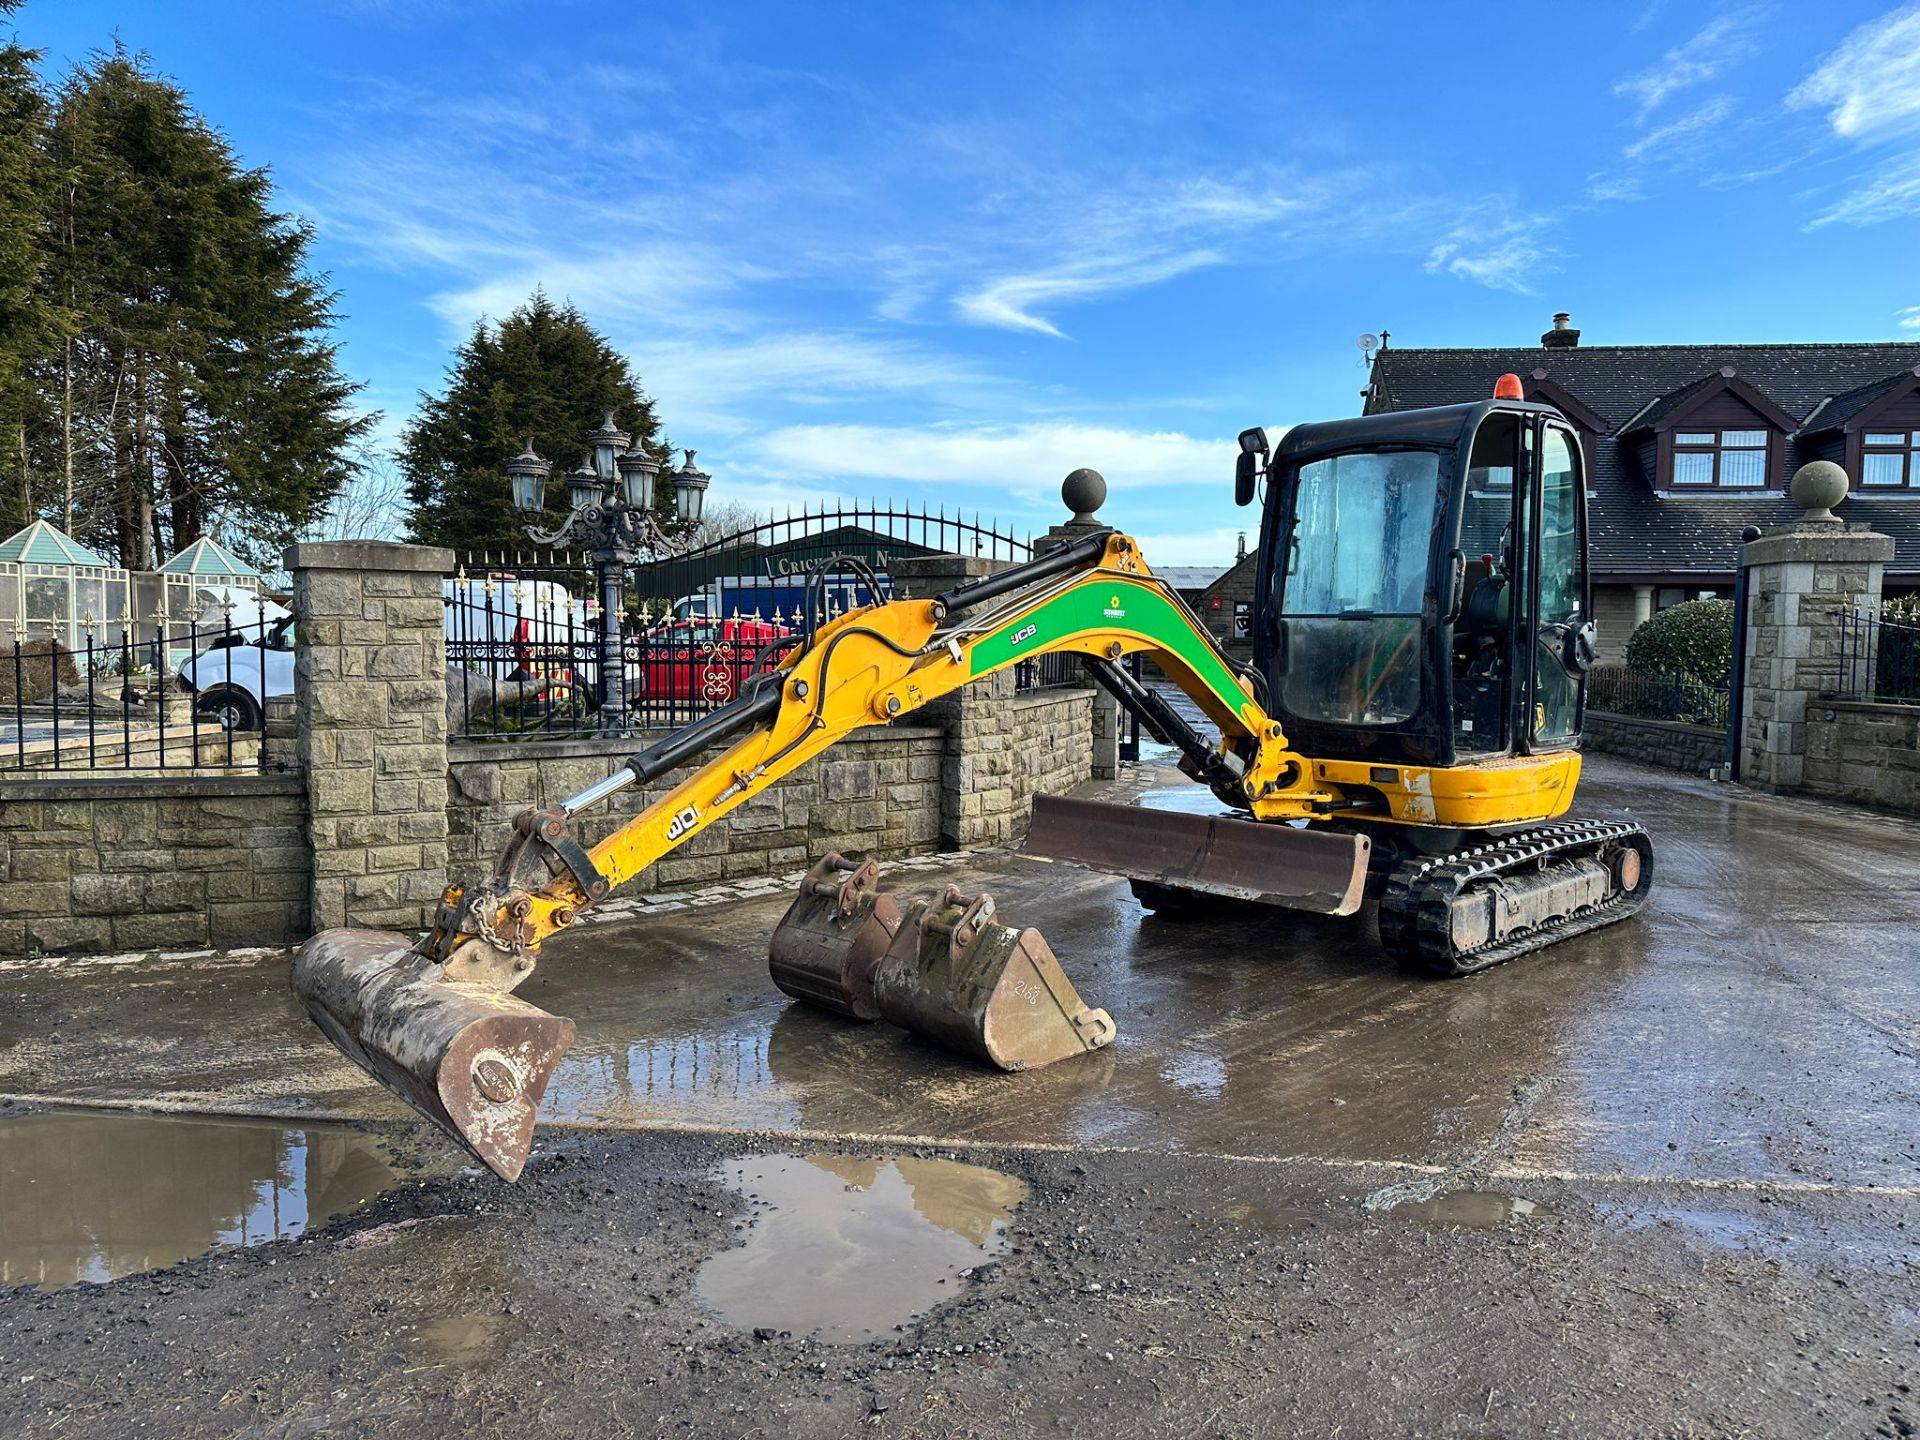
1425,591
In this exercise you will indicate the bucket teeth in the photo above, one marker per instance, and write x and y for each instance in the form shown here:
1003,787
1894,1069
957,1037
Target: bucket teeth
989,990
469,1057
825,948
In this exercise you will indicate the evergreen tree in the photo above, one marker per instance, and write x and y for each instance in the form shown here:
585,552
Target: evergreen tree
192,381
543,374
25,325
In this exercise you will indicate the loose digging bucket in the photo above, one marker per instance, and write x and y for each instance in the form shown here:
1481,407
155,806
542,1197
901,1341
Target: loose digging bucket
828,944
988,990
469,1057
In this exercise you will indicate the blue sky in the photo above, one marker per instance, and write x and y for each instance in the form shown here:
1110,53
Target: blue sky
950,252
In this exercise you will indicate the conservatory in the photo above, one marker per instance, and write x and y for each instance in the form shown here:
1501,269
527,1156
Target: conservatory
53,586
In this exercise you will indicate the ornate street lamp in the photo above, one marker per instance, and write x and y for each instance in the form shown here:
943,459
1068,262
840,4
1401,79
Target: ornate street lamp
611,516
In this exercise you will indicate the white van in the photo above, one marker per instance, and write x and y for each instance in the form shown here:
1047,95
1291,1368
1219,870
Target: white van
516,632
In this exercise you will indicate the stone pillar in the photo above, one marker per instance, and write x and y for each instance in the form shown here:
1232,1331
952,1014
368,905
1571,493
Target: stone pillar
1802,578
370,715
1084,492
976,784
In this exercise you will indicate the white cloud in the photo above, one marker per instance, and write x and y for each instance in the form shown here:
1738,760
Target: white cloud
1701,118
1871,83
1723,41
1026,461
702,382
1909,318
1500,253
1012,301
1890,194
1217,546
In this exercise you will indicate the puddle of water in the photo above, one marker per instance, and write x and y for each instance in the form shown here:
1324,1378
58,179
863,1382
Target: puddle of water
1186,799
1722,1227
92,1196
468,1340
845,1248
1474,1209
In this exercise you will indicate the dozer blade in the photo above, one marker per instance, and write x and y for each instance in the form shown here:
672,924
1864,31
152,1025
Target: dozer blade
826,946
986,989
1273,864
469,1057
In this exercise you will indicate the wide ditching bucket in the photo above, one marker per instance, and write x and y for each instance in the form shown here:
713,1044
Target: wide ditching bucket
1272,864
983,988
468,1056
828,944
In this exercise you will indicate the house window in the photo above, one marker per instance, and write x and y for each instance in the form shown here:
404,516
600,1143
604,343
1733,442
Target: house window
1890,459
1730,459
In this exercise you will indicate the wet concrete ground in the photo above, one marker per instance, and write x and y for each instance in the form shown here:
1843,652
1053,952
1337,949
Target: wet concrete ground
1698,1127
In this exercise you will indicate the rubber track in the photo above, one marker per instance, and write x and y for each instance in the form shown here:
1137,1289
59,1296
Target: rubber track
1416,910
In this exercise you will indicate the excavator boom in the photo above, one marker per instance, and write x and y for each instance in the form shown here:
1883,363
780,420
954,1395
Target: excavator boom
478,1063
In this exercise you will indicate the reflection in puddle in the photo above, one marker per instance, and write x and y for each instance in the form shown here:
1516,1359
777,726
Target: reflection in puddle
1197,1072
844,1248
1722,1227
92,1196
1187,799
1475,1209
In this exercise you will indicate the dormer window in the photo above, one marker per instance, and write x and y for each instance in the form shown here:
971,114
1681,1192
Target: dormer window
1890,459
1730,459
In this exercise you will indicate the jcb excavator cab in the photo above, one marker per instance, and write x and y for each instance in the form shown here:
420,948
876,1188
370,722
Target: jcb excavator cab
1423,593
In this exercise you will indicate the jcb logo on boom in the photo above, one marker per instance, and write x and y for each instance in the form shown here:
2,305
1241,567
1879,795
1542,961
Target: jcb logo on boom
1023,634
683,822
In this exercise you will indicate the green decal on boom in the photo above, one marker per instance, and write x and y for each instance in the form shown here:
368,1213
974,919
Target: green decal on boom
1114,605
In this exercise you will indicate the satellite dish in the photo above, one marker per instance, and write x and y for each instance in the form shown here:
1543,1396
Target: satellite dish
1368,342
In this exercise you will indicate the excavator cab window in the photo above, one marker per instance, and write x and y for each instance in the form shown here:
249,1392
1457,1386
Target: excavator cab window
1355,586
1483,627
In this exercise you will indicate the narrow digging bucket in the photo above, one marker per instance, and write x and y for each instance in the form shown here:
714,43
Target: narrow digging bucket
470,1058
1269,863
986,989
826,946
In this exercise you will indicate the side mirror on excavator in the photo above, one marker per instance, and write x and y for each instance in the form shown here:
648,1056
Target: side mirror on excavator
1251,464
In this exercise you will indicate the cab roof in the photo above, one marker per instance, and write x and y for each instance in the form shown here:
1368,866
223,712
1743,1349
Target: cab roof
1439,427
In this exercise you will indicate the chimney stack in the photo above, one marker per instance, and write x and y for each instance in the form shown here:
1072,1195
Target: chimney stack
1562,336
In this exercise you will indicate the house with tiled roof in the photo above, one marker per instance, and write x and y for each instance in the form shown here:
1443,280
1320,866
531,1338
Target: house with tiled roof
1689,444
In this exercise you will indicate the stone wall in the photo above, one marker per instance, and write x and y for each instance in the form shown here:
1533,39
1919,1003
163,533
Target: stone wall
174,863
1865,752
370,702
1692,749
1802,578
878,790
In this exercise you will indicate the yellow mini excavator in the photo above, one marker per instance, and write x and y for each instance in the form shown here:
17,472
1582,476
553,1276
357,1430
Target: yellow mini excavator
1407,730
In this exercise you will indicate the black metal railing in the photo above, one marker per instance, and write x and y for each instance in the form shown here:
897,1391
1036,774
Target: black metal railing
1687,699
524,656
154,695
1045,671
523,630
1878,660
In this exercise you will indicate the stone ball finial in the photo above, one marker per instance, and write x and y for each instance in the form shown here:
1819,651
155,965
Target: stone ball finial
1817,487
1084,491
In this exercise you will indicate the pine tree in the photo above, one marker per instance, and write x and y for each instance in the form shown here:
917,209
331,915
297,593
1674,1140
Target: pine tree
192,382
25,325
542,375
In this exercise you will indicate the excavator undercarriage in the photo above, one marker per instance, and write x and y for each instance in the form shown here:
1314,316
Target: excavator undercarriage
1468,854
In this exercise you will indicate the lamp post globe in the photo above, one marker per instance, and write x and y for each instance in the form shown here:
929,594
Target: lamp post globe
690,492
606,443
